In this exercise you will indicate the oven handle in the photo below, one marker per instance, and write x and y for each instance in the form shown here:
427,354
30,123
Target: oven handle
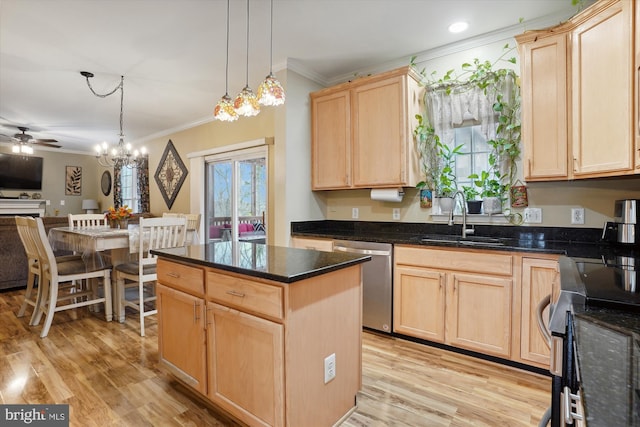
541,326
571,406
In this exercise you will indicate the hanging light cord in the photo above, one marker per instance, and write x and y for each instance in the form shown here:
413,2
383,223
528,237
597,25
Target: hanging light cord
247,82
271,43
99,95
226,82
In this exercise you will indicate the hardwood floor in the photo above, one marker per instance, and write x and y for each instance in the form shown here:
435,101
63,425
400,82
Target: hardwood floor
109,376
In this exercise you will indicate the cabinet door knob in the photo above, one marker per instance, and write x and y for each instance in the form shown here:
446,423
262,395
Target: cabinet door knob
172,274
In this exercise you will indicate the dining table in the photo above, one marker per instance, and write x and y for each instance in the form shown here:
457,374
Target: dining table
99,246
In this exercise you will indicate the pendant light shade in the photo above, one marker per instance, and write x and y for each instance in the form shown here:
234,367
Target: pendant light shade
224,110
270,91
246,103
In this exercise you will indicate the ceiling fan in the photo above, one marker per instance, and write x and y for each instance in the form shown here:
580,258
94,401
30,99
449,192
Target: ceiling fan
25,138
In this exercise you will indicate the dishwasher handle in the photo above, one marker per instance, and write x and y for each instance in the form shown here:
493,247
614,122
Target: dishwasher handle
361,251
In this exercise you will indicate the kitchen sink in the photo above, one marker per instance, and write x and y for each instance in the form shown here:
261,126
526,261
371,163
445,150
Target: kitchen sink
467,241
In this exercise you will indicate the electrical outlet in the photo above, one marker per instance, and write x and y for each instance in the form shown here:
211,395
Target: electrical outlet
396,213
577,216
354,213
48,202
329,367
533,215
61,202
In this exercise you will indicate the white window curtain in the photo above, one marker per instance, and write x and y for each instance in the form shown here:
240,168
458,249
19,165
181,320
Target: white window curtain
448,106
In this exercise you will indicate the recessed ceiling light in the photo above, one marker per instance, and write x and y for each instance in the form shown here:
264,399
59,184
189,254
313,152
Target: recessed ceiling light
458,27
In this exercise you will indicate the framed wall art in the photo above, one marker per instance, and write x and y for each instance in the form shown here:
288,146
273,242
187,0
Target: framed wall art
170,174
73,181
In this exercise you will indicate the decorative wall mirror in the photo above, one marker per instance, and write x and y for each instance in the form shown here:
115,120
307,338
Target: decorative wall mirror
105,183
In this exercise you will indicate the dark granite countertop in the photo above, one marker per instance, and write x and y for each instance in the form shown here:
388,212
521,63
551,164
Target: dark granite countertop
282,264
575,242
608,349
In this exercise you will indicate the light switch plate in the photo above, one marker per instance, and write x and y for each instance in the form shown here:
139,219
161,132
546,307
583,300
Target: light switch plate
533,215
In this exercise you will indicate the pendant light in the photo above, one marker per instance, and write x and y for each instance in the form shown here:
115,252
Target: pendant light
121,155
224,110
270,91
246,103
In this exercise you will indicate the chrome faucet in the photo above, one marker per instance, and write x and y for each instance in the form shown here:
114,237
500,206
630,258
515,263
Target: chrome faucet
465,231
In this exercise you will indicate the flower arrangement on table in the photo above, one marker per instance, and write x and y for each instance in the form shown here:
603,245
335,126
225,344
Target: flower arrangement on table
120,216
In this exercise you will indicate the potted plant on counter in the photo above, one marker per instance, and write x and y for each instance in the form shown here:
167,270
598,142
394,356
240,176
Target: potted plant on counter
470,195
491,190
447,182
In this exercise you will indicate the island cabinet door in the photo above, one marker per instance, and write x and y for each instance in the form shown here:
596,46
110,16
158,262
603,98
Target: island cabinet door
246,365
181,336
479,313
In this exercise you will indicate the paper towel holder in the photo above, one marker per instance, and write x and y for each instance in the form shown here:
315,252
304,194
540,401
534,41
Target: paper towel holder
387,194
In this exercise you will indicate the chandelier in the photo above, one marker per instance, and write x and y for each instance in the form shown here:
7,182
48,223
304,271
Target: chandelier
270,91
121,155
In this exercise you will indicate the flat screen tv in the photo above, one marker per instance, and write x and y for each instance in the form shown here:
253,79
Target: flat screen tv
20,172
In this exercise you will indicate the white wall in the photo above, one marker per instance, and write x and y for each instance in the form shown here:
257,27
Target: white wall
294,199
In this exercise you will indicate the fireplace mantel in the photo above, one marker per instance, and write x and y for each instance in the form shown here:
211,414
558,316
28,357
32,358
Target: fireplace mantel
22,207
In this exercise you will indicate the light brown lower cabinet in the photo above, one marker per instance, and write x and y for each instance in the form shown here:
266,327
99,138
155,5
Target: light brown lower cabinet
246,364
258,348
460,298
478,300
479,313
419,304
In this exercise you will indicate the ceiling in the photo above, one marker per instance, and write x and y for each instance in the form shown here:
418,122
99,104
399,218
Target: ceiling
172,54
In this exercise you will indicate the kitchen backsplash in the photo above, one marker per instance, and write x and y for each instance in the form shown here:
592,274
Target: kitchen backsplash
556,199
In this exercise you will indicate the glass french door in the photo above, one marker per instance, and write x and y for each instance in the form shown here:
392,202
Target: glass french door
236,196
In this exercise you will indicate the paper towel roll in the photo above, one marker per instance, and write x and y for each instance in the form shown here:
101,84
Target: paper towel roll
387,194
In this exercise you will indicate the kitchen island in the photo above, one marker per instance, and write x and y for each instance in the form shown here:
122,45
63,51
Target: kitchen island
270,334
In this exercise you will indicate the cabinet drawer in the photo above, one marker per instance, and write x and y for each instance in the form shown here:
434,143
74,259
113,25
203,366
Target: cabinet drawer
182,277
245,295
471,261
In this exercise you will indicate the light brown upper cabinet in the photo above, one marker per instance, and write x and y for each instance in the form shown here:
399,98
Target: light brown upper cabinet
362,132
578,117
544,108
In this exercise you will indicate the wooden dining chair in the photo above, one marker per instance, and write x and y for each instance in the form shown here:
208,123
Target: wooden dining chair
87,220
32,294
53,274
154,233
193,223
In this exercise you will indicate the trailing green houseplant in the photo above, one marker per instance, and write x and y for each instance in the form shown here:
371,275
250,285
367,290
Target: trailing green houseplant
437,160
500,86
447,181
427,143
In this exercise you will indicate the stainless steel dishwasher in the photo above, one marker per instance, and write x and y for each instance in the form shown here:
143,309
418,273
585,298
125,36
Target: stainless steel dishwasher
377,282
